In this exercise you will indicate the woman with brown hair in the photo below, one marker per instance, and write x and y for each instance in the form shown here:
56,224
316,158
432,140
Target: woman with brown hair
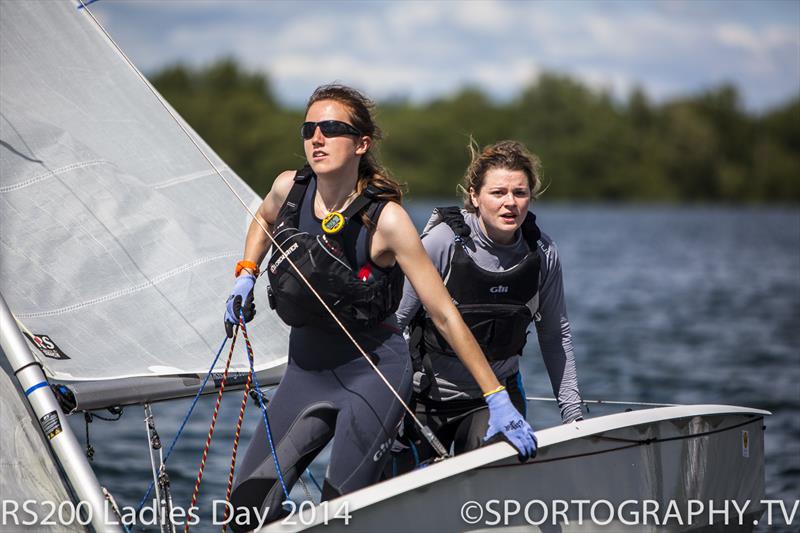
339,222
504,274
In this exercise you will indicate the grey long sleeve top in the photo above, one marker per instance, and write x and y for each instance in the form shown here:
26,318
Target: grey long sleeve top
548,308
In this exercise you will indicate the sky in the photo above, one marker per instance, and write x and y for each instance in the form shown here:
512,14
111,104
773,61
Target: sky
420,50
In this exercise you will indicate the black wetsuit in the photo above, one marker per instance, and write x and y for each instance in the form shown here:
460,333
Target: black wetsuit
328,391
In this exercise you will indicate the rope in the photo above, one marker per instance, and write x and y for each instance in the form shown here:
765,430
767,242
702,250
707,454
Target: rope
186,418
425,430
259,395
210,431
235,448
311,476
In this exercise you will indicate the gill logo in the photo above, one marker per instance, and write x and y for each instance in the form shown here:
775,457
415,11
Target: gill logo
274,266
384,447
499,289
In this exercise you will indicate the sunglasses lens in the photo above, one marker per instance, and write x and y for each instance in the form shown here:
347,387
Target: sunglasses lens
307,129
329,128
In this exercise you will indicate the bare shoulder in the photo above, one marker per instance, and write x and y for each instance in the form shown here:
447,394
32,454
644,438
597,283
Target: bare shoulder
282,185
276,196
395,222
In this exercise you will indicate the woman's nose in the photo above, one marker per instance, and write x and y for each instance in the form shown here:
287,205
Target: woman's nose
318,137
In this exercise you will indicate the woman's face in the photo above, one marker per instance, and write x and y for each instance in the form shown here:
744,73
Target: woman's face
328,155
502,203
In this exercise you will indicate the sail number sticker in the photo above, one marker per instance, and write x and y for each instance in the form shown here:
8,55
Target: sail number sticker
46,345
51,424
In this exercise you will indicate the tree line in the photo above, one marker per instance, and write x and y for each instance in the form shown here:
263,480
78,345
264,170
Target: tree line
699,148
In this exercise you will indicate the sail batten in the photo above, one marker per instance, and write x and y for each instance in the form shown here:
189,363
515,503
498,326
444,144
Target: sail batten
117,237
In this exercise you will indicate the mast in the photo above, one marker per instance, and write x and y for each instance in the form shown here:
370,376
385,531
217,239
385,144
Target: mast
60,436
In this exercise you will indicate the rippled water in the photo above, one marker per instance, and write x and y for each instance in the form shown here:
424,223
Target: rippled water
667,304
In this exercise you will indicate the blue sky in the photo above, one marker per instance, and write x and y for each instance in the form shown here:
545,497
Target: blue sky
423,49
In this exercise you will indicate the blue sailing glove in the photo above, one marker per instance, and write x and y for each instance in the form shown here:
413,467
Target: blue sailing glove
242,292
505,420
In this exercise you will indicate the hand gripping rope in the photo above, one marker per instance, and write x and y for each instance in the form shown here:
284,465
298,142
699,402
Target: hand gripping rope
251,379
425,430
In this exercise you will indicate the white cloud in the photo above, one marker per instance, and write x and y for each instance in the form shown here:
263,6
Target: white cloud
483,16
413,17
500,77
736,35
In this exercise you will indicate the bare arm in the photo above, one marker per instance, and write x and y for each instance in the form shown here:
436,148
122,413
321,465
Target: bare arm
397,236
257,243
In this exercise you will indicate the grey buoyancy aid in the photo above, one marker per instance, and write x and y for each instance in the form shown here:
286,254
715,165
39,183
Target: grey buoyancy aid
361,295
492,304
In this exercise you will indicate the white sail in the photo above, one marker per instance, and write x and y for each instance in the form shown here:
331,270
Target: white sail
117,238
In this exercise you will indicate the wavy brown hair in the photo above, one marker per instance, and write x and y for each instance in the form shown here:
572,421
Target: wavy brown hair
511,155
360,108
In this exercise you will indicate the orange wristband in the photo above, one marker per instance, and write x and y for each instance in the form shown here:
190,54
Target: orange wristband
246,264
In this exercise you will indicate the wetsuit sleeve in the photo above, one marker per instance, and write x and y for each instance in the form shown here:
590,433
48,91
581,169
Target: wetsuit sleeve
438,243
555,338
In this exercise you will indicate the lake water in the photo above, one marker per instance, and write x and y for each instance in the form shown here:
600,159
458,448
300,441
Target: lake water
667,304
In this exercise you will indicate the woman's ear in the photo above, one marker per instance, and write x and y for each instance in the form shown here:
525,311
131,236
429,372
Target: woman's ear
473,197
363,145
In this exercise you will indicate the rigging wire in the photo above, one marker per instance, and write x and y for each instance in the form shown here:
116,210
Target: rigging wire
426,432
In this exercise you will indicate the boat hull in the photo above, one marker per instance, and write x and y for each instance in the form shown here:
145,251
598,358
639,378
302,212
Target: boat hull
700,470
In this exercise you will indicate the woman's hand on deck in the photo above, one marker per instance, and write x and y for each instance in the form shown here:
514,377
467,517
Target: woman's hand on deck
504,418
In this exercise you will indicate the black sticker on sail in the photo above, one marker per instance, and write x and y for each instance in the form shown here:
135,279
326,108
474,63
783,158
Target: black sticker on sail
46,345
51,424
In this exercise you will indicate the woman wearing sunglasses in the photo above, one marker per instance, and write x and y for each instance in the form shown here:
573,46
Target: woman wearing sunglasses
504,273
339,222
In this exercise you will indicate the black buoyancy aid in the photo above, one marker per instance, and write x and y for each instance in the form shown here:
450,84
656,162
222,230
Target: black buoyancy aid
494,305
361,296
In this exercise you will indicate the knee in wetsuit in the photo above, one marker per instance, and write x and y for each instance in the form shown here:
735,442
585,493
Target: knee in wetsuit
257,499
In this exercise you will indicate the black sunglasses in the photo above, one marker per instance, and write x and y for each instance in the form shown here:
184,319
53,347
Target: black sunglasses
329,128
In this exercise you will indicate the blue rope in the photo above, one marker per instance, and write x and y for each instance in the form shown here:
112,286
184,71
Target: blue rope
414,452
308,471
258,392
185,420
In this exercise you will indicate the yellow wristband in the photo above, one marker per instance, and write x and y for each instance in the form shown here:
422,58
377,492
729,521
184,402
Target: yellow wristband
498,389
248,265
